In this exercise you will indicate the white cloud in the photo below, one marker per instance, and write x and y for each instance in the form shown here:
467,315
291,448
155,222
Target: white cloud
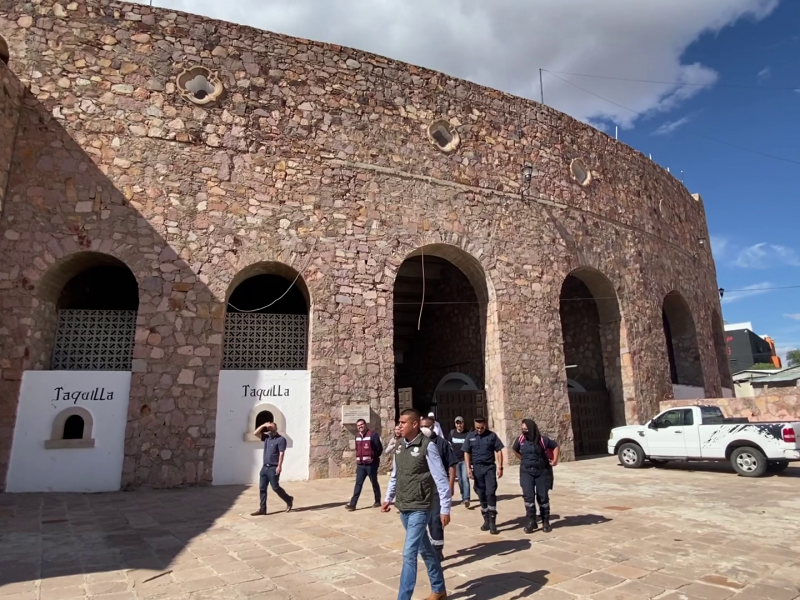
766,256
671,126
795,316
719,246
503,43
756,289
764,73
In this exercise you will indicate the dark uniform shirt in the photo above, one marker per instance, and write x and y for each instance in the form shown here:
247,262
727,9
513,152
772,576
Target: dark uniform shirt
481,447
534,455
457,441
273,446
445,451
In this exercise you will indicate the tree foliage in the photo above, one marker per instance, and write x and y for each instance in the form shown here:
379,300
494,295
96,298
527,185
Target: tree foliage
793,358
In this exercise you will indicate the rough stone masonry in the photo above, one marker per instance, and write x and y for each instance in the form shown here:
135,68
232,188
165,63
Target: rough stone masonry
316,156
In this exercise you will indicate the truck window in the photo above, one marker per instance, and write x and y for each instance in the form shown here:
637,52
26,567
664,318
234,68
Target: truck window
671,418
688,416
711,414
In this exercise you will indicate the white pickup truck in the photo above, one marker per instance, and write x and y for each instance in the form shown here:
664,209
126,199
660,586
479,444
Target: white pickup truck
703,433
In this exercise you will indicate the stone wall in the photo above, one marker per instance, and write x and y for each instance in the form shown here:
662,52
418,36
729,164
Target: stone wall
317,157
779,404
10,101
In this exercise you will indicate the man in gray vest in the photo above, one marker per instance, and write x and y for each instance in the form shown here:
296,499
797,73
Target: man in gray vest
418,473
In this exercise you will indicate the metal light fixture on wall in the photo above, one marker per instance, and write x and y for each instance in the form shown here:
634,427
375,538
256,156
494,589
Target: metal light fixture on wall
701,241
528,173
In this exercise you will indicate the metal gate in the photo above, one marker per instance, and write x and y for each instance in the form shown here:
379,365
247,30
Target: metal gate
591,422
467,404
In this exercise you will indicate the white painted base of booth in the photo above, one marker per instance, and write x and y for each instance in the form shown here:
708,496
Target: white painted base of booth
241,396
90,465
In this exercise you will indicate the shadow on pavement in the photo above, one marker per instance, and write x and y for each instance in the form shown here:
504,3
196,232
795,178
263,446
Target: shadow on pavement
69,534
721,467
489,587
481,551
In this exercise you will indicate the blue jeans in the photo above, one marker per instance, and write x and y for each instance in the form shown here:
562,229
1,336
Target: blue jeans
417,542
462,475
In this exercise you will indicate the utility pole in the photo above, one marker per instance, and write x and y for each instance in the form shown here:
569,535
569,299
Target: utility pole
541,86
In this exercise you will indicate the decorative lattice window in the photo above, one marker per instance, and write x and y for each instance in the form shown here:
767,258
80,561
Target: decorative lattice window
94,340
265,341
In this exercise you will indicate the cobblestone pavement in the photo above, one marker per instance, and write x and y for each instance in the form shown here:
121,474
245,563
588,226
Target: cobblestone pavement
676,533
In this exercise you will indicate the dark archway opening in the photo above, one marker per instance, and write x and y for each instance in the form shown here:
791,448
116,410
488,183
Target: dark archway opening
439,330
73,428
266,323
680,336
590,327
264,416
96,315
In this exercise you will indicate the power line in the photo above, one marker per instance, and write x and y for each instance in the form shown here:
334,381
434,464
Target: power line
680,83
682,130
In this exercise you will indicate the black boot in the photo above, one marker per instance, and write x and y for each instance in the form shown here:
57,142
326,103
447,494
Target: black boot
493,524
531,525
485,526
546,527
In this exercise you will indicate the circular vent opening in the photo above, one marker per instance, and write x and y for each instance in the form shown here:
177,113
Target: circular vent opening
580,172
199,85
443,135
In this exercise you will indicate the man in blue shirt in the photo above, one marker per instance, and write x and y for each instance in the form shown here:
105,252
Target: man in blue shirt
417,474
274,451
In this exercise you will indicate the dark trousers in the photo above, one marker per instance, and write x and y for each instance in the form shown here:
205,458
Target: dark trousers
362,472
536,488
435,523
268,475
485,477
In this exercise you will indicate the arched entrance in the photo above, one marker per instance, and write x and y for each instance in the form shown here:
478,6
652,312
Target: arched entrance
264,375
680,334
440,309
266,320
96,299
592,330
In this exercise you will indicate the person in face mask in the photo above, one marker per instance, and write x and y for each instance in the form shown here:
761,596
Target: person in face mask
538,455
449,461
437,429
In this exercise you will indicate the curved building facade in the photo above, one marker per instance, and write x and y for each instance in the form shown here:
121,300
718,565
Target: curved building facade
216,225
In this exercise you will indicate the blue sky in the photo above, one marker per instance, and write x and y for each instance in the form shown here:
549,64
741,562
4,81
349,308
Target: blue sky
751,200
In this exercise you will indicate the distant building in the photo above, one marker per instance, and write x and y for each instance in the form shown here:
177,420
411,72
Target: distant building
745,348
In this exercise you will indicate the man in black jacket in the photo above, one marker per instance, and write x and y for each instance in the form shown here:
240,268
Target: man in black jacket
449,461
368,453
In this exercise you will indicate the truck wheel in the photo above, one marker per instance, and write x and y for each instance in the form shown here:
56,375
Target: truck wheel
631,456
749,462
776,466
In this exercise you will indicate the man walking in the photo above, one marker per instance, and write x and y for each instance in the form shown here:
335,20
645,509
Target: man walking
417,475
274,451
484,457
449,463
457,438
368,453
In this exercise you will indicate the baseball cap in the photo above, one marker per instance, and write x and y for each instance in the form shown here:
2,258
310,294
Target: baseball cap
459,419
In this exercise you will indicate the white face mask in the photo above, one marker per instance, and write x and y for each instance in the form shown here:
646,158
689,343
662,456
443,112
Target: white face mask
426,431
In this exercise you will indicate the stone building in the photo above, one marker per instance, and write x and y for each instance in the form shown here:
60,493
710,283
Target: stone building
205,225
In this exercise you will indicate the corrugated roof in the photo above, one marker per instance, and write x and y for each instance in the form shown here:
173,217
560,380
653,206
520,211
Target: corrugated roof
790,374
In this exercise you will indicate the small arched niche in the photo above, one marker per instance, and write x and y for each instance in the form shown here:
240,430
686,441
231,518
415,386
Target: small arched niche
72,428
263,413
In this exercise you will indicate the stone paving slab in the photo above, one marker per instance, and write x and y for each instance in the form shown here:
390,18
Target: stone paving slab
677,533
